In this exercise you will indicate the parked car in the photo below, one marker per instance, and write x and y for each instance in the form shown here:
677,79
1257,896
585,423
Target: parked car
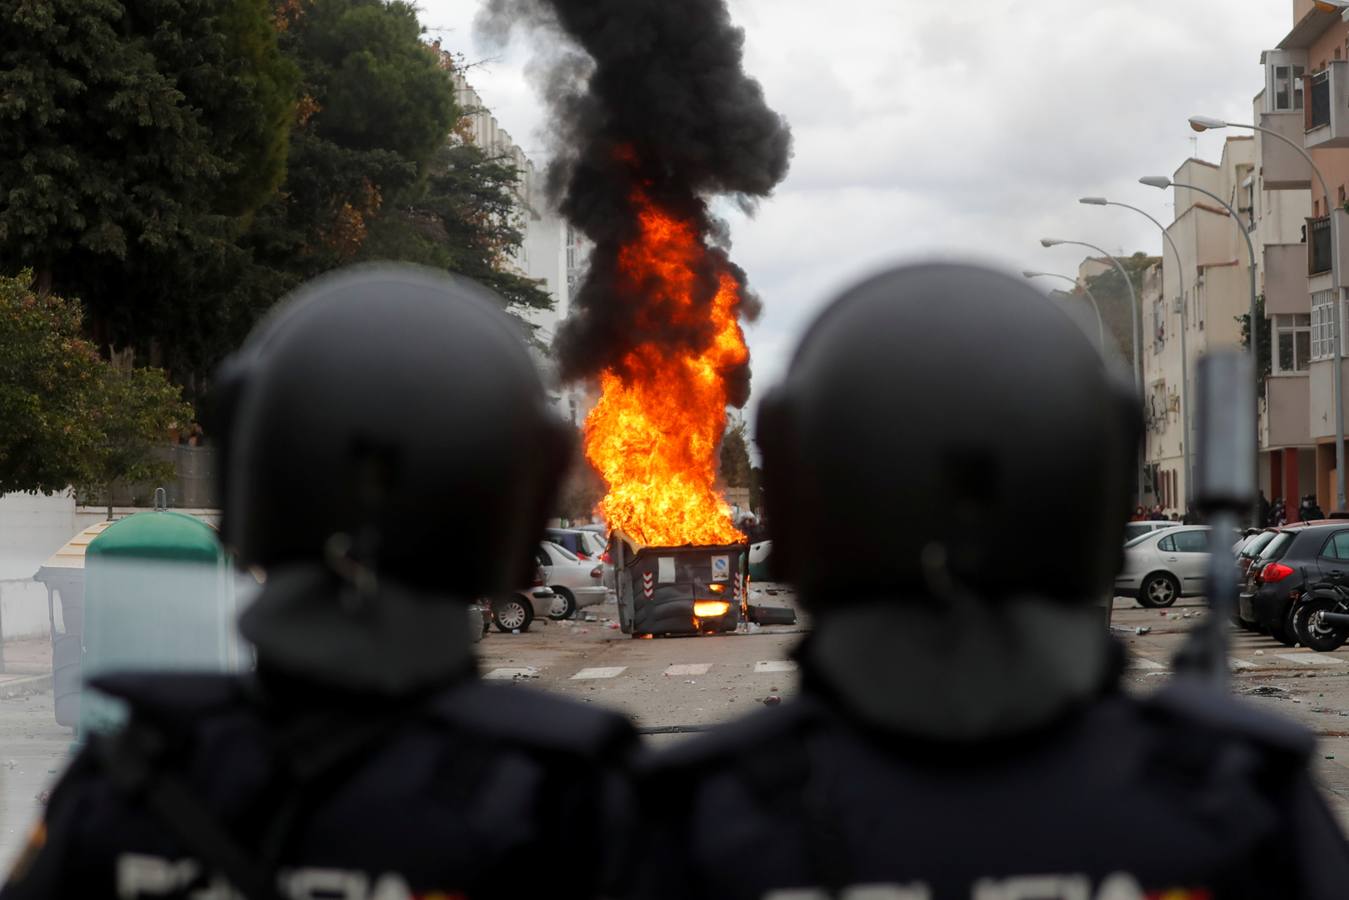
1277,581
584,544
1164,564
1251,549
516,611
1134,530
576,583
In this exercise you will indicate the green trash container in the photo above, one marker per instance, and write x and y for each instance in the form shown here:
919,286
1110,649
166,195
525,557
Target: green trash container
158,596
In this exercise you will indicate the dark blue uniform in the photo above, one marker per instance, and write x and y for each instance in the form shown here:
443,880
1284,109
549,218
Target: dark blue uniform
1181,795
473,791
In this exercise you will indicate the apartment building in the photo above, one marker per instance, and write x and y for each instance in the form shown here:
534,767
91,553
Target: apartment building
1197,303
1305,100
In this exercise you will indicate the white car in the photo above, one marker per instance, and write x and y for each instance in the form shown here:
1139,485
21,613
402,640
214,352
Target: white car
576,583
1145,526
1162,565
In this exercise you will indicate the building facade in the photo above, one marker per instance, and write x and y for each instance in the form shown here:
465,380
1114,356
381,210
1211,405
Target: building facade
1306,100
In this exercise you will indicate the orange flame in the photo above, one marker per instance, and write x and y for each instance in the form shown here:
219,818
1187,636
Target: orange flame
654,434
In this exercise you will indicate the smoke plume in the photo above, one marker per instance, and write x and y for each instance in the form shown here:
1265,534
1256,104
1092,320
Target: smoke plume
646,96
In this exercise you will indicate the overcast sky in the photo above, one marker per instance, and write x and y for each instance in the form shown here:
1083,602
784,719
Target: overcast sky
960,129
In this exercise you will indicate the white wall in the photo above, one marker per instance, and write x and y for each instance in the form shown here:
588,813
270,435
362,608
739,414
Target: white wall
32,528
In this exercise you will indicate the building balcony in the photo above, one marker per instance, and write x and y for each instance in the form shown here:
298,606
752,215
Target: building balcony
1283,168
1319,245
1286,291
1285,413
1326,107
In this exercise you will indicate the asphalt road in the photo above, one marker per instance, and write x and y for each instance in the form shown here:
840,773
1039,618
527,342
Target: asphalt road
674,686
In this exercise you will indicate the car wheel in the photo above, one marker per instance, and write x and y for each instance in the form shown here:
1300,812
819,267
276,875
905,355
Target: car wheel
512,613
564,605
1282,630
1159,590
1311,632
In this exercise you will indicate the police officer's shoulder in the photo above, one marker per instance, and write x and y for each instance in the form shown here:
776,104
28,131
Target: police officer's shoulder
765,729
534,719
168,697
1190,706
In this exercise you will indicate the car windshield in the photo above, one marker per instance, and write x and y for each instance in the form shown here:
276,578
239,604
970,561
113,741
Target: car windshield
1276,547
1257,543
564,552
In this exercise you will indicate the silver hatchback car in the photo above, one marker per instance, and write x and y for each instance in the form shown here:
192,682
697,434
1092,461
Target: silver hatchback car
1164,564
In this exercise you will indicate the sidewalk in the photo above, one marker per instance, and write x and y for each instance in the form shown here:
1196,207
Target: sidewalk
28,666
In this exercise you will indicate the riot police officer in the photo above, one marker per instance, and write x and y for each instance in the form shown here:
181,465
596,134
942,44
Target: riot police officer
947,475
388,457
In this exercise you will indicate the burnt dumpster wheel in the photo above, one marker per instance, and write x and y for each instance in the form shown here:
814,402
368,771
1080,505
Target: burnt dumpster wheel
1312,632
564,605
512,613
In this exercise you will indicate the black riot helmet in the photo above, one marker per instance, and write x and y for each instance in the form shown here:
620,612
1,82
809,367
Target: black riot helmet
389,420
947,424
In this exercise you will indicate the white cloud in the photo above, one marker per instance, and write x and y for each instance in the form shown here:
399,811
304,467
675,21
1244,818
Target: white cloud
964,130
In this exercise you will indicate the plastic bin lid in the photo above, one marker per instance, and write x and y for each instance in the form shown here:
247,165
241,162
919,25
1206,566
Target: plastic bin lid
158,535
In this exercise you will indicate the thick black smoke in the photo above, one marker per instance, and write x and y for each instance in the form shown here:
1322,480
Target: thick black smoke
647,94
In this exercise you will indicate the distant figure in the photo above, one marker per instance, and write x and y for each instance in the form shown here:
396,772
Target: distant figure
1261,509
1140,514
1311,510
1157,514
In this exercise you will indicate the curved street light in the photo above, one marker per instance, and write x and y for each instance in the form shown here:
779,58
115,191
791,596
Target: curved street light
1100,323
1184,355
1204,123
1133,299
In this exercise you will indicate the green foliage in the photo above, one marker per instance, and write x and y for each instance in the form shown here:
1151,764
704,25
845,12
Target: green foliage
135,140
180,164
464,218
1265,352
1112,294
734,466
66,416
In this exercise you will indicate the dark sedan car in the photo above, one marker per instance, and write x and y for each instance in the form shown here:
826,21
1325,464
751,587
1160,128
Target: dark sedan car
1297,556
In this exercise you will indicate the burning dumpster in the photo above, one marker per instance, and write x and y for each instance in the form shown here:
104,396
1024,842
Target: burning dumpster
679,590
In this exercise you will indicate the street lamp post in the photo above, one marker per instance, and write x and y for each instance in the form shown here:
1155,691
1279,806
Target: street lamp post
1184,354
1204,123
1161,181
1133,301
1100,323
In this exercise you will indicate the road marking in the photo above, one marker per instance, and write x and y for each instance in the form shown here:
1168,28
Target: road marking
1140,662
690,669
765,666
599,672
509,674
1311,659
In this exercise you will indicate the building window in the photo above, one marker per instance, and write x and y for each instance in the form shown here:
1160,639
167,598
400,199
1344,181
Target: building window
1293,343
1288,87
1323,324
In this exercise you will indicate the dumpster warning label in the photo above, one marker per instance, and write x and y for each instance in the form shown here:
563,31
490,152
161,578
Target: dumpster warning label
665,570
721,568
